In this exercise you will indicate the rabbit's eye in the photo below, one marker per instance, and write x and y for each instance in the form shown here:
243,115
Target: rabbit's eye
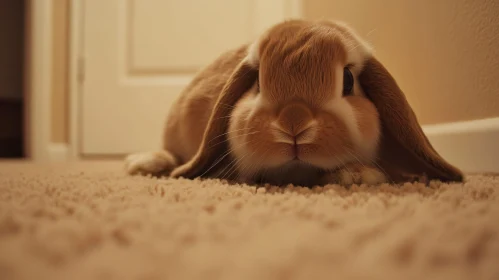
347,82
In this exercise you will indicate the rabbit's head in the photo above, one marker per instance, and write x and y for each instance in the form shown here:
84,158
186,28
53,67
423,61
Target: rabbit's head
310,94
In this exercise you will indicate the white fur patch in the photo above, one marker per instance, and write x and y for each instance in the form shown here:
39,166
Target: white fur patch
253,57
362,47
309,135
366,175
355,175
372,176
306,136
341,108
145,163
338,89
282,137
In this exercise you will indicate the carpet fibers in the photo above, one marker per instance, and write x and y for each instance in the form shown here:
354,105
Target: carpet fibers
89,220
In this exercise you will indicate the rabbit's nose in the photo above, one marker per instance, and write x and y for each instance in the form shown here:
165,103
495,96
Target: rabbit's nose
295,118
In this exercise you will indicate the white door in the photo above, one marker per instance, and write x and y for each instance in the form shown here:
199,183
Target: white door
139,54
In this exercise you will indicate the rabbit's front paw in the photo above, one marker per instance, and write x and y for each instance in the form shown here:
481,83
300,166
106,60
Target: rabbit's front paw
356,175
150,163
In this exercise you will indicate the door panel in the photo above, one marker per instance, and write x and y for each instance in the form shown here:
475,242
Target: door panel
139,55
186,36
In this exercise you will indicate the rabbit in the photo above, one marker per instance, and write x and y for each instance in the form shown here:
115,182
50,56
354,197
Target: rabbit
307,103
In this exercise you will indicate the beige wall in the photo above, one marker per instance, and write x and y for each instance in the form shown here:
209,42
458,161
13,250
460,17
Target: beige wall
60,69
444,54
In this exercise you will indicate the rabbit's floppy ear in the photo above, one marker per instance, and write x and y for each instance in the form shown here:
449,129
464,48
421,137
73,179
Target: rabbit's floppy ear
404,148
211,154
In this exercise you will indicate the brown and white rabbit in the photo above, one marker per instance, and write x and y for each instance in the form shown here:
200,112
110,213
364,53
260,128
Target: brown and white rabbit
308,104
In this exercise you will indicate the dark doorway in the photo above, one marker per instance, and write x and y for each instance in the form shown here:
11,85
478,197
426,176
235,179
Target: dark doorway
12,29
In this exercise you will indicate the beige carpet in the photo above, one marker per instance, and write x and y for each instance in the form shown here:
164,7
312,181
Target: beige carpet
91,221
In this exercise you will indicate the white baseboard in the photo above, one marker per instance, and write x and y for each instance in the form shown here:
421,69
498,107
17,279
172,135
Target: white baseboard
472,146
58,152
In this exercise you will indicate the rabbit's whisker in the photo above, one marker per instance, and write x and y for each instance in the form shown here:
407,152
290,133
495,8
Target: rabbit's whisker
235,166
222,157
222,134
233,137
258,162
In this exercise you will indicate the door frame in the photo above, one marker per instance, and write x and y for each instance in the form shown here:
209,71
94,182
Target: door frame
38,77
38,73
76,74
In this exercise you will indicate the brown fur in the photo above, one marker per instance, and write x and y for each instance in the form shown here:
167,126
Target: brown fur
405,149
367,115
187,121
226,89
290,54
296,74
